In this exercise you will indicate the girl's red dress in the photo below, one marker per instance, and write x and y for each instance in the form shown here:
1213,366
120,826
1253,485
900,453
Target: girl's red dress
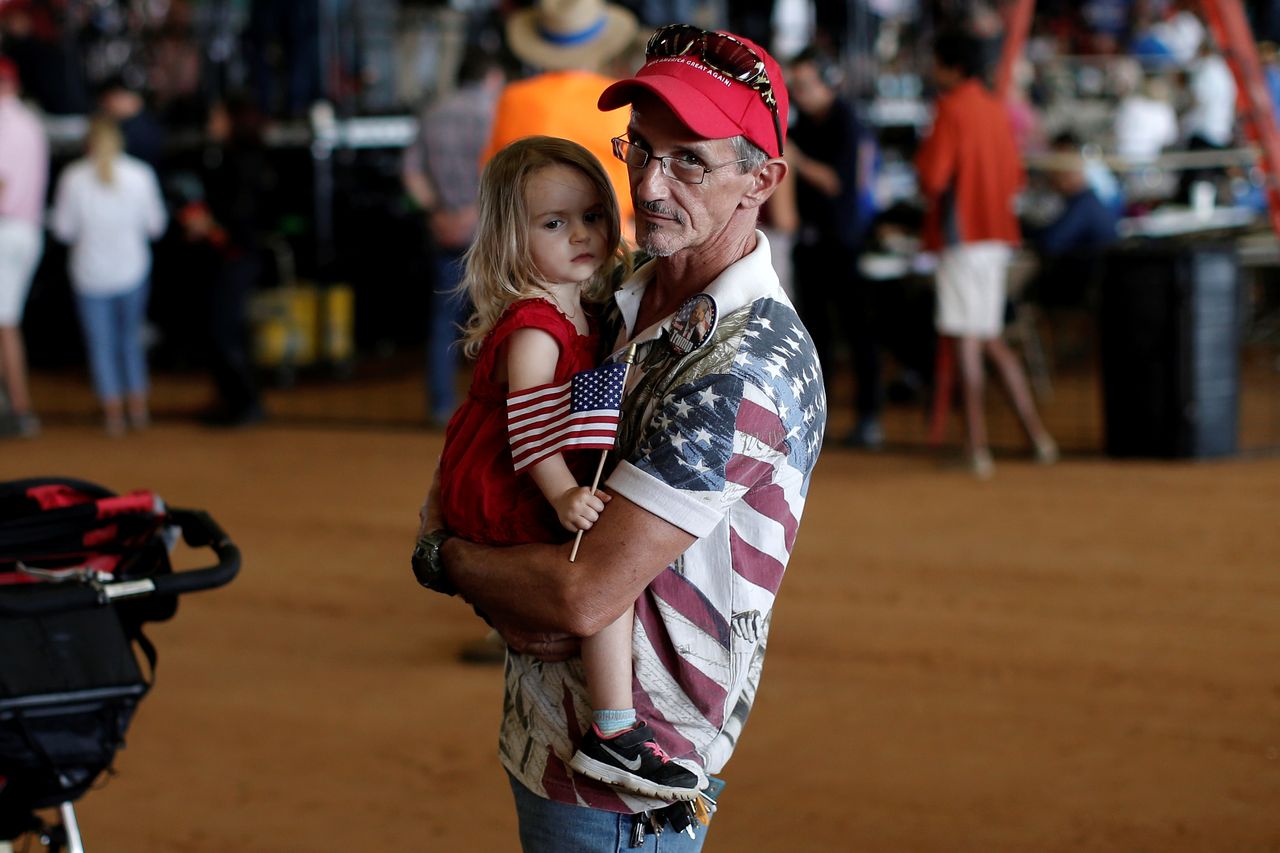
482,498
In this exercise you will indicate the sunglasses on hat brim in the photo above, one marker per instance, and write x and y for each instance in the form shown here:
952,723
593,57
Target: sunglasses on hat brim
723,53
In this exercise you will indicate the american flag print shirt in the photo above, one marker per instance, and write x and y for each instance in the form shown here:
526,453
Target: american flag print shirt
722,443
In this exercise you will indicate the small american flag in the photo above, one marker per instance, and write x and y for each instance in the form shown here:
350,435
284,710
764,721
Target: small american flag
581,414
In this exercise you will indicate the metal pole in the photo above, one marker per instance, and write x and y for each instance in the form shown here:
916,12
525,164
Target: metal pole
71,827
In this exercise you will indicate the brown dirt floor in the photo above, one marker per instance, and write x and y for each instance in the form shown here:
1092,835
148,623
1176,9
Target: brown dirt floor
1084,657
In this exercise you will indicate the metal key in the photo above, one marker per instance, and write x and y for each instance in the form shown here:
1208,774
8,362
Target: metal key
691,814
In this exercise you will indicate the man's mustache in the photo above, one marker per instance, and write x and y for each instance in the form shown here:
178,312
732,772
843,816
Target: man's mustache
657,209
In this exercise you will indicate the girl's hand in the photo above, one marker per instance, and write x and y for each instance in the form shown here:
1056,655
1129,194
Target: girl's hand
578,508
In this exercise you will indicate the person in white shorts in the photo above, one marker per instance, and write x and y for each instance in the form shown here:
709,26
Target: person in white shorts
969,169
24,177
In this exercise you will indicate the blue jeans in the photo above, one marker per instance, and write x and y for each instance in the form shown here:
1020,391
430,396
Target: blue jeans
448,310
547,826
113,340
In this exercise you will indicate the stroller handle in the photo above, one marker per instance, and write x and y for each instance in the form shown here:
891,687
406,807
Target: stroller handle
198,530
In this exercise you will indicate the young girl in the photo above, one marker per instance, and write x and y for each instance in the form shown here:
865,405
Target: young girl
108,209
547,246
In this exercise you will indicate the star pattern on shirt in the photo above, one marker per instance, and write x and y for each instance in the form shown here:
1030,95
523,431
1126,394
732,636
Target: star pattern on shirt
693,432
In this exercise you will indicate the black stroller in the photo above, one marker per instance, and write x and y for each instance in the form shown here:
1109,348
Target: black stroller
82,570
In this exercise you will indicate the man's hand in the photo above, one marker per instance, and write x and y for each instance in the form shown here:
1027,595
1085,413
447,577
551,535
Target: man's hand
535,587
453,229
578,508
547,647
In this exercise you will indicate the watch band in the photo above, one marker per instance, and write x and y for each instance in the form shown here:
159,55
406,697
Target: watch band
428,567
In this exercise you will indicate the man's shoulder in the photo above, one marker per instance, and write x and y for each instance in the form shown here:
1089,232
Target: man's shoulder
770,327
762,345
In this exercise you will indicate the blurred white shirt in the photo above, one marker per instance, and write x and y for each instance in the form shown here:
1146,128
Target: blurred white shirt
109,227
1212,115
1144,126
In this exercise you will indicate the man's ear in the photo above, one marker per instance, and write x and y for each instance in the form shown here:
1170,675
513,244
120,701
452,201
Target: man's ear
764,183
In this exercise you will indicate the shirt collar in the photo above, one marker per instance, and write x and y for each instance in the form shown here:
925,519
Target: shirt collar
742,282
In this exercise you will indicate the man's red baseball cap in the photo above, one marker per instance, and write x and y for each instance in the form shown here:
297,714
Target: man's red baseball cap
709,103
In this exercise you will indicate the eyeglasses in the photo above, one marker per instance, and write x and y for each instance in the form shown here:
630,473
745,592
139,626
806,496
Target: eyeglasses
723,53
685,171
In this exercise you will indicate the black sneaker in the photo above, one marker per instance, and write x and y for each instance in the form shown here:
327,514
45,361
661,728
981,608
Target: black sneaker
633,760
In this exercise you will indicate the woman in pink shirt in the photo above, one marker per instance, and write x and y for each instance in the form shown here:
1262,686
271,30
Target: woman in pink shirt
24,176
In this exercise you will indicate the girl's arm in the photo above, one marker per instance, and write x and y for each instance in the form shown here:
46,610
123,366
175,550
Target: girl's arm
64,221
531,361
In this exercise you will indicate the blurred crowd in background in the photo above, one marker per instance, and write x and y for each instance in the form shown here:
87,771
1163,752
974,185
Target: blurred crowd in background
273,142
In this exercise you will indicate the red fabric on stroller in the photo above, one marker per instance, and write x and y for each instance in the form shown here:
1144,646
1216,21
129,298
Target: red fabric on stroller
51,529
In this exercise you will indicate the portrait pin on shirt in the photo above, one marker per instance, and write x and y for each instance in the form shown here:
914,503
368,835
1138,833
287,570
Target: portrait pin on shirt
693,324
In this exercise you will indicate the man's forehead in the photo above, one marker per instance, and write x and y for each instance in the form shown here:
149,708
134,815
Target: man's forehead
650,118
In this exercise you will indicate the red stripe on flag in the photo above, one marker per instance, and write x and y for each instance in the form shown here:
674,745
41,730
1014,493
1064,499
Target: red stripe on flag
706,694
582,413
771,501
755,565
758,422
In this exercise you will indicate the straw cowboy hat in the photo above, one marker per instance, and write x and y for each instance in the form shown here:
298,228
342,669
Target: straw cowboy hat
560,34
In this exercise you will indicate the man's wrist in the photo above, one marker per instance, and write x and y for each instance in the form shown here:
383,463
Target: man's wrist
428,562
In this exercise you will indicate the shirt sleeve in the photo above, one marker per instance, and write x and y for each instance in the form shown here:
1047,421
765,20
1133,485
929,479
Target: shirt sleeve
156,218
63,222
707,444
935,161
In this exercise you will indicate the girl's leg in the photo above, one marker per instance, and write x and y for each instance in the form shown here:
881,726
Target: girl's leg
132,314
13,369
100,339
619,749
606,657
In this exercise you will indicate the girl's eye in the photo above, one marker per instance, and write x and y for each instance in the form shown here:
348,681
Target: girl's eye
593,216
552,224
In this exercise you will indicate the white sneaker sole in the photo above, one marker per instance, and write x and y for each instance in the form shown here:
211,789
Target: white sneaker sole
588,766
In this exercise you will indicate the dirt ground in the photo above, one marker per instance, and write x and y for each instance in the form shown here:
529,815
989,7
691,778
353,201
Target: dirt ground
1085,657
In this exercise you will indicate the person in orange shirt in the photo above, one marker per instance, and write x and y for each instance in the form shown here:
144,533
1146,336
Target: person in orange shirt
970,171
569,43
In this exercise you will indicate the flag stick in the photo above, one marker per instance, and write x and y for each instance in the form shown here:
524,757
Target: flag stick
628,359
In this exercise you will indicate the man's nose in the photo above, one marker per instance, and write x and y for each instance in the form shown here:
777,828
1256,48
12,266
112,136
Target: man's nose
649,182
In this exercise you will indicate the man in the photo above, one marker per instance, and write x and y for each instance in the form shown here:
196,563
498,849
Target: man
569,43
969,170
144,135
1071,248
24,177
831,155
716,446
1071,244
440,172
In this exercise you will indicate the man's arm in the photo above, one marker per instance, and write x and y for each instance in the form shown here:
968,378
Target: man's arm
536,588
539,601
935,159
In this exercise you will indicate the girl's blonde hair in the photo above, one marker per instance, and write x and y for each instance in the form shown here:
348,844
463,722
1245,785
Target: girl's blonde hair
104,144
499,265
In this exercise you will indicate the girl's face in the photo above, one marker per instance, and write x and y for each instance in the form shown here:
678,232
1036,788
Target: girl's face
568,225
